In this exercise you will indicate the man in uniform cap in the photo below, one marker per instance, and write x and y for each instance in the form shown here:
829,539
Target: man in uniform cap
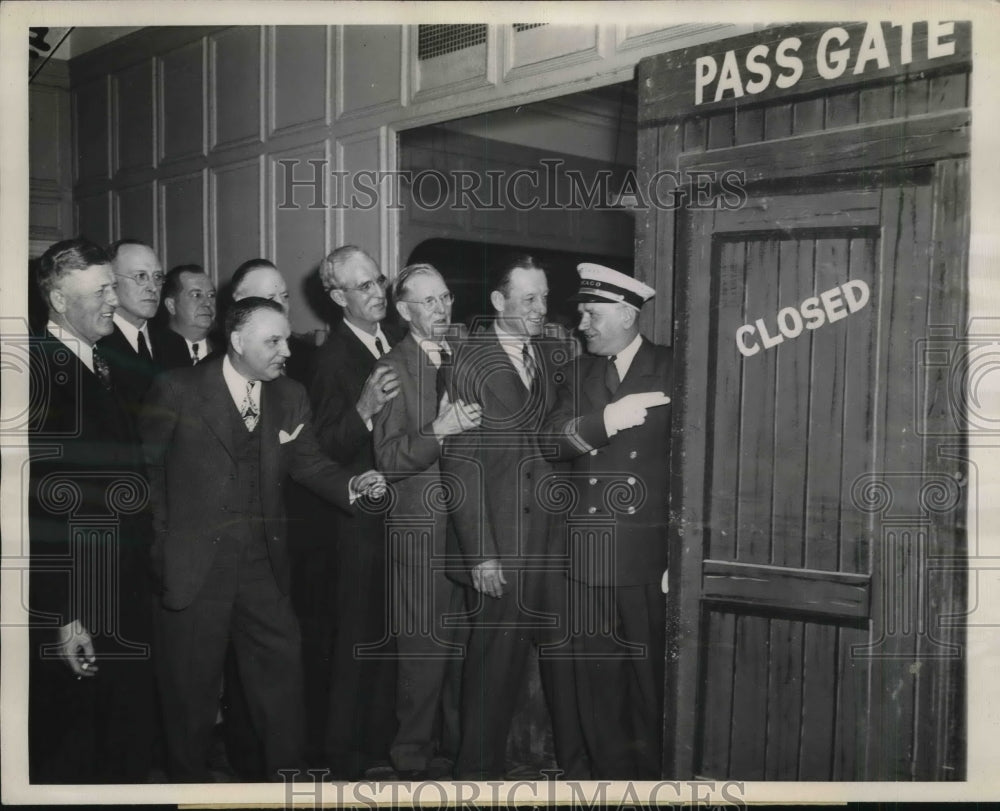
610,420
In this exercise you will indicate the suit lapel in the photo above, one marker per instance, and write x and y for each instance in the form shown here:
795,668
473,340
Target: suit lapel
217,403
641,369
503,381
270,424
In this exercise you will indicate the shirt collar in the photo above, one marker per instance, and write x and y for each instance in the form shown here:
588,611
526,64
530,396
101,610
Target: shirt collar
369,340
623,360
509,340
431,348
131,332
237,384
83,350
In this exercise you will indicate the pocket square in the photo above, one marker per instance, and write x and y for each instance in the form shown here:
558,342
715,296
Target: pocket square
284,436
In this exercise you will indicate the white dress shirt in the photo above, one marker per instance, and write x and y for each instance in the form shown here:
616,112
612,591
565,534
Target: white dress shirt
237,385
131,333
368,339
623,360
513,345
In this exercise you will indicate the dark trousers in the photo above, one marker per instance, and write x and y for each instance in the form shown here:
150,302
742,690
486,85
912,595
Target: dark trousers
429,669
92,730
240,601
361,721
496,666
620,669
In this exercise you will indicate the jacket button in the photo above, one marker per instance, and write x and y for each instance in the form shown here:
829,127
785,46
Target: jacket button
633,454
631,511
591,510
592,480
594,452
630,480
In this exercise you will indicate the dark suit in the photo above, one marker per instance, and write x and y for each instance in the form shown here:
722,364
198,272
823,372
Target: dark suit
499,515
90,530
621,695
429,668
174,353
221,553
361,718
132,374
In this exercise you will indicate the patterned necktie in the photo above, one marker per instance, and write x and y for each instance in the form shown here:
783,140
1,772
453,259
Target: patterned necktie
248,410
530,371
443,373
194,354
144,352
611,378
102,370
380,347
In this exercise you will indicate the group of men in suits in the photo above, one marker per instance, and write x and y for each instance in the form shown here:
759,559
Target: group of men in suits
451,560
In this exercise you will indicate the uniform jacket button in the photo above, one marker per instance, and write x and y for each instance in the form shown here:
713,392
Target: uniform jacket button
633,454
591,510
594,452
592,480
631,511
630,480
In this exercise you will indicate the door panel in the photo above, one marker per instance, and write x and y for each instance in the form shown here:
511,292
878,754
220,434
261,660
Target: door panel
789,565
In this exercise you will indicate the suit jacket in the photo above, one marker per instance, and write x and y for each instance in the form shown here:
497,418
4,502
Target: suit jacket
501,463
407,451
132,376
624,478
86,463
174,352
342,365
187,437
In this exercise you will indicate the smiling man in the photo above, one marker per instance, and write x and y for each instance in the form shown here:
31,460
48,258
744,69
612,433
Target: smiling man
220,440
503,528
91,706
612,421
409,433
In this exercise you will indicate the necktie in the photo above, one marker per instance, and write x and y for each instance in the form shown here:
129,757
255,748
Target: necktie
611,378
443,374
380,346
144,352
102,370
248,410
528,361
194,354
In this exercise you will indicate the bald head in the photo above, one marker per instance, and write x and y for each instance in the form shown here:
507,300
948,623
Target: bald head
262,281
140,279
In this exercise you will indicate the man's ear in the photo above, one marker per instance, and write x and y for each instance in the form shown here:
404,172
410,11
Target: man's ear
171,305
338,297
236,341
629,315
403,310
57,300
497,300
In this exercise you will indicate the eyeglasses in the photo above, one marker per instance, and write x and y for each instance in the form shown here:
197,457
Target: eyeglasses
369,287
446,299
142,278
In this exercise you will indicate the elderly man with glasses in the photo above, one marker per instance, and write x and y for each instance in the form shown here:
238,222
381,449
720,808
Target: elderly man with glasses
348,391
409,433
134,352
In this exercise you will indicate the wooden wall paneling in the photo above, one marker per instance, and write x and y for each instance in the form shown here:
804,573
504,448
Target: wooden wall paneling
300,64
297,241
749,125
236,210
133,117
631,37
136,214
807,115
360,224
182,103
93,217
237,91
91,112
456,72
368,69
183,227
748,719
785,652
47,127
535,50
842,109
50,158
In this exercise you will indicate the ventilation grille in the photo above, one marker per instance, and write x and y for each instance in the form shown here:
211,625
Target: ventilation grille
438,40
519,27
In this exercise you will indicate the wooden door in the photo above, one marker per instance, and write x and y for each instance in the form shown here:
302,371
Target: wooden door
810,508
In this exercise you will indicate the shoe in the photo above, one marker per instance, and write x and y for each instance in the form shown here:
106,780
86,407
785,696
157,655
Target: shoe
440,768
